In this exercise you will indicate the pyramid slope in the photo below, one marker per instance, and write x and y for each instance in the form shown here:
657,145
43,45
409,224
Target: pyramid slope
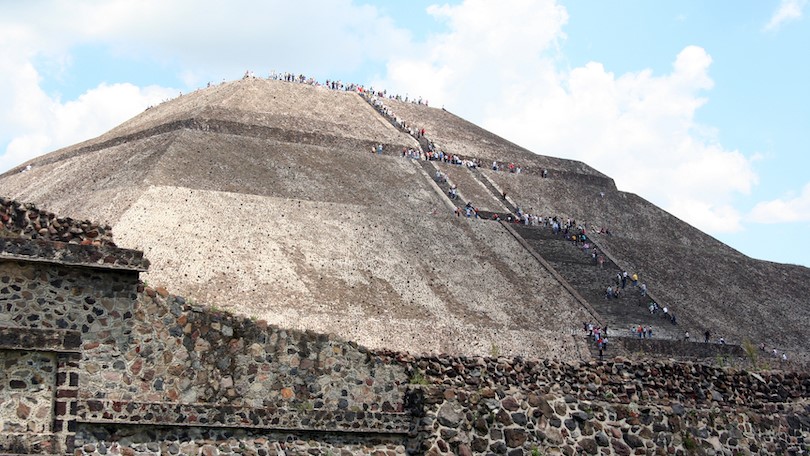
260,102
418,282
97,185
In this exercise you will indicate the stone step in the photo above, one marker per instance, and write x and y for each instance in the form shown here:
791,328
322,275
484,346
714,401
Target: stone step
471,188
443,185
494,191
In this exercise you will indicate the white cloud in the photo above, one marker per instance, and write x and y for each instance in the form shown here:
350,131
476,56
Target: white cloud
474,64
789,10
203,41
58,124
638,128
792,209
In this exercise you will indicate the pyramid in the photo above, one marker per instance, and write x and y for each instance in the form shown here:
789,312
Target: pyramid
264,198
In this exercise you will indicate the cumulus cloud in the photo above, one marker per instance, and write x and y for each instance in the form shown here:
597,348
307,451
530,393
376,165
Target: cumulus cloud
788,10
54,123
790,209
202,41
637,127
476,62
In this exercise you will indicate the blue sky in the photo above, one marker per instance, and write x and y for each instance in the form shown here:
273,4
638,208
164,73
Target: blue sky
700,107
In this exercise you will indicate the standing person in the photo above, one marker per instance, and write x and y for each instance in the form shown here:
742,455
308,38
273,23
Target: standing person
686,336
706,336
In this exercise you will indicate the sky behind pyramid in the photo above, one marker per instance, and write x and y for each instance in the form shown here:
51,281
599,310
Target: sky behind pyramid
701,107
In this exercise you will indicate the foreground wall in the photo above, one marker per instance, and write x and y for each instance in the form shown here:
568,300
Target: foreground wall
94,362
515,407
141,357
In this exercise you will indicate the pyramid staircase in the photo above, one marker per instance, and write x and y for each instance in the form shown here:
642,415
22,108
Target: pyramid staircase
577,266
567,260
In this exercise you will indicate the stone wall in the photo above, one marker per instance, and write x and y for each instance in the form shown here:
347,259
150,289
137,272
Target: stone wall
95,362
150,360
27,383
515,406
38,389
499,421
26,221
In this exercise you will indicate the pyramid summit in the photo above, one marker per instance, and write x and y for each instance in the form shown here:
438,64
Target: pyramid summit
270,199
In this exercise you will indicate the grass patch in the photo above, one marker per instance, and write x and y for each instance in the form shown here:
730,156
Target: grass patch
418,378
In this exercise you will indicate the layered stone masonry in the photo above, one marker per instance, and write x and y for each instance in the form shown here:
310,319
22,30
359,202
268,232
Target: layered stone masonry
516,406
206,441
514,422
29,222
38,389
620,381
214,125
226,416
94,256
27,384
143,348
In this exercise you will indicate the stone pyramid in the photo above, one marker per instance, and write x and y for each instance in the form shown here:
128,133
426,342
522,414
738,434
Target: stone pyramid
264,198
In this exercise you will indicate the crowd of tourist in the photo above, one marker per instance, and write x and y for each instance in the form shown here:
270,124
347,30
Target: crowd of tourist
429,150
775,353
599,336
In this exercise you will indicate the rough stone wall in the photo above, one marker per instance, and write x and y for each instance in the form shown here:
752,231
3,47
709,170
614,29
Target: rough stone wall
27,384
26,221
205,441
498,421
515,406
151,361
139,345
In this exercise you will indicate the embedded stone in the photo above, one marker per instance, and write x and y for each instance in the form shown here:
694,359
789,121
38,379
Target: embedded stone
589,446
480,425
580,416
479,445
519,418
544,407
620,448
515,437
570,424
503,417
633,440
488,393
554,436
464,450
602,439
448,434
23,411
498,447
510,404
449,416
